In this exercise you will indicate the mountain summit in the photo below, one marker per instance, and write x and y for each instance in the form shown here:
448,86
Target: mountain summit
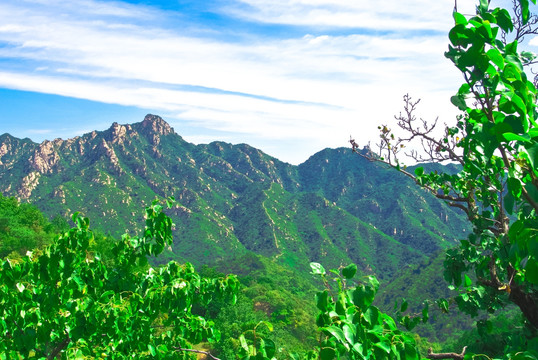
156,125
232,199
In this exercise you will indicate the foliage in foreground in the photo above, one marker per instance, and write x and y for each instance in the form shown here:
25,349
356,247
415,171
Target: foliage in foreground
495,141
351,326
66,301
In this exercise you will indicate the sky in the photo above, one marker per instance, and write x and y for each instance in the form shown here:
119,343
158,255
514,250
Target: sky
290,77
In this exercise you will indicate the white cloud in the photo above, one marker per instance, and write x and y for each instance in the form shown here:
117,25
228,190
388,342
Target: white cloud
316,89
389,15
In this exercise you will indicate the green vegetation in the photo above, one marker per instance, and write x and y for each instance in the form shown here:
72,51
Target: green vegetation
495,143
82,295
351,326
22,228
232,199
65,301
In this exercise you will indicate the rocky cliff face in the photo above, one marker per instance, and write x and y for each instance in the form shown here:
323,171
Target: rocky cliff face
232,198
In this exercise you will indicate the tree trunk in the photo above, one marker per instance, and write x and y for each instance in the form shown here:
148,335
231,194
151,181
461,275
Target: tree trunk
527,303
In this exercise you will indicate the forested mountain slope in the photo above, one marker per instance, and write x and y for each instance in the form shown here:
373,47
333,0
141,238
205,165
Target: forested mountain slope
335,208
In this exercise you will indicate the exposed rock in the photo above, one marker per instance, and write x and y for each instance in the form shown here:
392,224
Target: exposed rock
45,157
154,127
4,149
59,193
29,183
107,151
157,125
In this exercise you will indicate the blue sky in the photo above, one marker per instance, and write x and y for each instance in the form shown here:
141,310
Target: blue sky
290,77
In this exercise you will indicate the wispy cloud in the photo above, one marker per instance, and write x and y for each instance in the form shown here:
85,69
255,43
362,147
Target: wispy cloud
318,86
391,15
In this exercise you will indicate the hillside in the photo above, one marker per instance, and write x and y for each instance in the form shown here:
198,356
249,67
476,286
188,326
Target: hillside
334,208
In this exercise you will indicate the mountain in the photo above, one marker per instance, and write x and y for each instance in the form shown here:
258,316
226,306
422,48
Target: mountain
335,208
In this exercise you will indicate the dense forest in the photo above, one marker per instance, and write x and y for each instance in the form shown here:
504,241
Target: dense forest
67,291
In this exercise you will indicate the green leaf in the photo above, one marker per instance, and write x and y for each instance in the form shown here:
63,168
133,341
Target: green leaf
363,295
459,102
374,283
509,203
515,188
532,155
20,287
496,57
383,346
524,10
467,281
267,324
270,348
404,305
459,35
243,342
484,5
349,334
443,305
531,270
532,245
322,300
327,353
504,20
511,73
317,269
337,333
508,136
411,352
425,315
372,316
358,348
79,355
459,19
349,271
152,350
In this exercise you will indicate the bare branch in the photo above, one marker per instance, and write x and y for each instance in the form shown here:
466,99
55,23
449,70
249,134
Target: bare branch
521,30
455,356
59,348
206,353
454,201
437,150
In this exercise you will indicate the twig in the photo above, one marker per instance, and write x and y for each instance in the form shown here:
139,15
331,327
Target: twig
455,356
59,348
206,353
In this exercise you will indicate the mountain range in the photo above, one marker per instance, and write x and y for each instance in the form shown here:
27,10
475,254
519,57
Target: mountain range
335,208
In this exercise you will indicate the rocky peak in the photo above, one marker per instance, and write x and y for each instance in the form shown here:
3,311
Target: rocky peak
154,127
11,148
117,133
6,145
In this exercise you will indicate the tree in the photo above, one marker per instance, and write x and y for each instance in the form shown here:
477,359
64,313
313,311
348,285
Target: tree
349,325
66,302
22,227
495,142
